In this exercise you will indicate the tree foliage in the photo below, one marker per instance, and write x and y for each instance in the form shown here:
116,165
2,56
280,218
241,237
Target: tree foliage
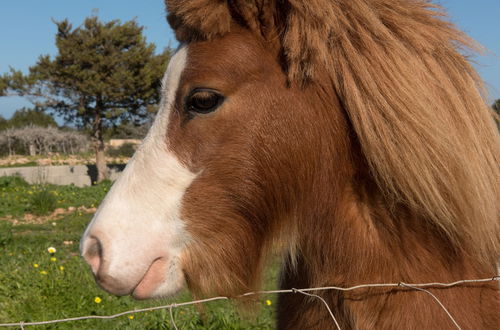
103,74
101,68
129,131
4,123
4,85
496,108
29,117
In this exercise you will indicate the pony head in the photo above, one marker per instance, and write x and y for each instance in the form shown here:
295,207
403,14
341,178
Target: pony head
303,127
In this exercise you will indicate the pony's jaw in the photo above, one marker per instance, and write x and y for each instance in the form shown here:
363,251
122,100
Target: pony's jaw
136,238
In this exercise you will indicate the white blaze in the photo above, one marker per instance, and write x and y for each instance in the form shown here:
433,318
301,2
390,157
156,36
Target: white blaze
139,219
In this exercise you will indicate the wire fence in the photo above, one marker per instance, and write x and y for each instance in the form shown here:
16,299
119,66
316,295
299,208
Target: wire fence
307,291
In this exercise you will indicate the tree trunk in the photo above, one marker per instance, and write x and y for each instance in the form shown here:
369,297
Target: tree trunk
98,143
8,144
32,149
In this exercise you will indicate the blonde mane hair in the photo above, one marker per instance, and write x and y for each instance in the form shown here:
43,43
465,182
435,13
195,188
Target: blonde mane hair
413,99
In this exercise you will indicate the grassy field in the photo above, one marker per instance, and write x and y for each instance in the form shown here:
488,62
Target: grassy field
17,197
36,285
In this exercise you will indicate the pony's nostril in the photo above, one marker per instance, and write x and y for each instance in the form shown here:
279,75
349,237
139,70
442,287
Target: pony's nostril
93,253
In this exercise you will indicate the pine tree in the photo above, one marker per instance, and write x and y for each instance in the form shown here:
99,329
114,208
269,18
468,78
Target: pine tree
103,74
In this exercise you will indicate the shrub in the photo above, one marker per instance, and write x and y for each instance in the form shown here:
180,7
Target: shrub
12,181
42,202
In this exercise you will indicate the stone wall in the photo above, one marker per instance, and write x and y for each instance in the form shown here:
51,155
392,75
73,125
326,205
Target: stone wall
79,175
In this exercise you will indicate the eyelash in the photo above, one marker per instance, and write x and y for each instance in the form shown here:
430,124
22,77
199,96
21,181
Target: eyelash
194,101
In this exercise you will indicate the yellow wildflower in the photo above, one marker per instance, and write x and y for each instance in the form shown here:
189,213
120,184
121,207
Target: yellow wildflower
36,265
131,317
61,268
97,300
43,272
53,259
268,302
52,250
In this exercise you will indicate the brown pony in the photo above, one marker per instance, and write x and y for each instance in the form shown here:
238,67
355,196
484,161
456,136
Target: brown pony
351,136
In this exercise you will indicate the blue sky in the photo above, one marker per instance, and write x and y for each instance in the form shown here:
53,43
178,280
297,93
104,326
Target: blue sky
27,31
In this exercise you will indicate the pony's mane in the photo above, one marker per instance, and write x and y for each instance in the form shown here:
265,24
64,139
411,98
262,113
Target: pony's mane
413,99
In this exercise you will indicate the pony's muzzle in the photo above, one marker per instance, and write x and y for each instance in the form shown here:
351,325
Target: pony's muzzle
155,273
93,253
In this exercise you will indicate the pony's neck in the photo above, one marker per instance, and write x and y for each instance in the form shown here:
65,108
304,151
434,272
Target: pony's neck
346,235
357,240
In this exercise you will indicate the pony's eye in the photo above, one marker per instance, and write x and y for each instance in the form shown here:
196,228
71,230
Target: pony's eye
203,101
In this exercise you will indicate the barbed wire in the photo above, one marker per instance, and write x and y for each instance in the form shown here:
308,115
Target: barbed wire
305,291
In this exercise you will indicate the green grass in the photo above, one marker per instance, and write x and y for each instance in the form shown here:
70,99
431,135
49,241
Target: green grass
16,196
36,287
42,202
28,164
